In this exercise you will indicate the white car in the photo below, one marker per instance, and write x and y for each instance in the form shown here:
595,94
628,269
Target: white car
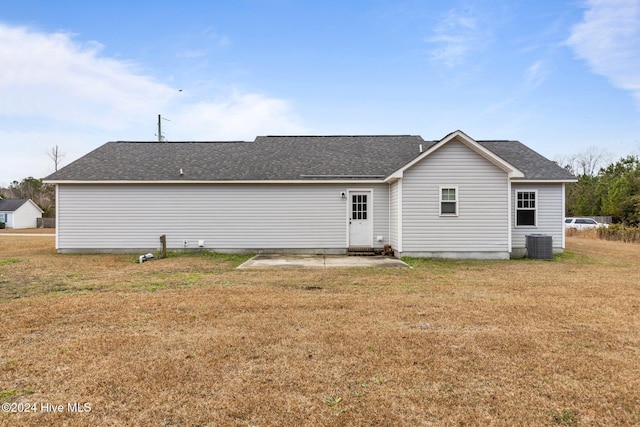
582,223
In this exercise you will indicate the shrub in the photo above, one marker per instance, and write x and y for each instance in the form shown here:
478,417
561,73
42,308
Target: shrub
620,232
2,225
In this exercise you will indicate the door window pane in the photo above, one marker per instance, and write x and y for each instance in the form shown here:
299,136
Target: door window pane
359,206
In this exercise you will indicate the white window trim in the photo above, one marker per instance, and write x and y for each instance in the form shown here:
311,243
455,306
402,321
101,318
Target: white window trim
515,208
440,201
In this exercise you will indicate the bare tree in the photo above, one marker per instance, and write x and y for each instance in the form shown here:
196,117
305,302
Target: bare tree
587,162
56,155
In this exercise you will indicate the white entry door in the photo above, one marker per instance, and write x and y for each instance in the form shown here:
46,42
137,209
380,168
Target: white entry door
360,233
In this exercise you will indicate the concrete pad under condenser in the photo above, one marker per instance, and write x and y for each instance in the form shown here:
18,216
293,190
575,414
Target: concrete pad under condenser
320,261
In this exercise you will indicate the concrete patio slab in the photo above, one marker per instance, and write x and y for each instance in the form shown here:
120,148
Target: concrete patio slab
266,261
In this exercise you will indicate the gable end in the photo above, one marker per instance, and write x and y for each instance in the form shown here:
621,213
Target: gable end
470,143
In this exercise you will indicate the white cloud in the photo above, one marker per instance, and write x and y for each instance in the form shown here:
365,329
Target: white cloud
57,90
51,77
190,54
608,38
456,36
536,74
203,44
24,153
239,116
221,40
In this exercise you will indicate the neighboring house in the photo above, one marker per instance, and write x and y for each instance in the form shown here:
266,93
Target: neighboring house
455,198
19,213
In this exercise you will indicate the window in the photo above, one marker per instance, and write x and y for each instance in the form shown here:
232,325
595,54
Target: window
359,206
526,208
448,201
586,221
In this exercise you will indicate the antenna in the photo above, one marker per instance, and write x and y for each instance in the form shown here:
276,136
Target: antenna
159,134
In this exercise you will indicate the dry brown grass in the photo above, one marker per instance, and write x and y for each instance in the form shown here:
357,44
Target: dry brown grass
27,231
191,341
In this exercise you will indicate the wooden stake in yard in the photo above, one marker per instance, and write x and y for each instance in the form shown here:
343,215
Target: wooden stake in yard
163,241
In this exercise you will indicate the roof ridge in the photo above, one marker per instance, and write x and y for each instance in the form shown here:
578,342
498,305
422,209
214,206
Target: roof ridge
336,136
178,142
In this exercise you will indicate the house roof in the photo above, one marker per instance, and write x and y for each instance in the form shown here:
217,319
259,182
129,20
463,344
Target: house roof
11,205
535,166
278,158
267,158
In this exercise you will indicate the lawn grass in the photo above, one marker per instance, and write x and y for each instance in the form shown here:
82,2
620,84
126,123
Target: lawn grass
190,340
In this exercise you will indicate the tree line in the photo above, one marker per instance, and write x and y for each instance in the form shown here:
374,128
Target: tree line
604,188
44,195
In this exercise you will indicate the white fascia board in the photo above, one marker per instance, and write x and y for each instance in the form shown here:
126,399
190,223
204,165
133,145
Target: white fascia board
292,181
509,213
57,217
511,170
542,181
399,174
400,222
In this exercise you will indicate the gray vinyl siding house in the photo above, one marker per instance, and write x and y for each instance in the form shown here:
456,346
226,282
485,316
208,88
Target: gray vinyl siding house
548,197
481,224
455,198
227,217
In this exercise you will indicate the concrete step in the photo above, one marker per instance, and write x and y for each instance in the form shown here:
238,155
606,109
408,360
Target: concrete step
361,251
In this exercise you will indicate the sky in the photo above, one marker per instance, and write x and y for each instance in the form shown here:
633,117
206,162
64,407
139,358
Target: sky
559,76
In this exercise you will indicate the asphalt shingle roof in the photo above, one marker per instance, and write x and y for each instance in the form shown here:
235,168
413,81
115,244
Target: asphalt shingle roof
533,165
11,205
277,158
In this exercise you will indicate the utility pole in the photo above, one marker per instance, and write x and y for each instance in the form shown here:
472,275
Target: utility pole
161,137
159,128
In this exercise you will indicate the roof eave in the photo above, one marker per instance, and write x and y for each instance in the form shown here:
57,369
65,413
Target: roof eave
544,181
263,181
399,174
